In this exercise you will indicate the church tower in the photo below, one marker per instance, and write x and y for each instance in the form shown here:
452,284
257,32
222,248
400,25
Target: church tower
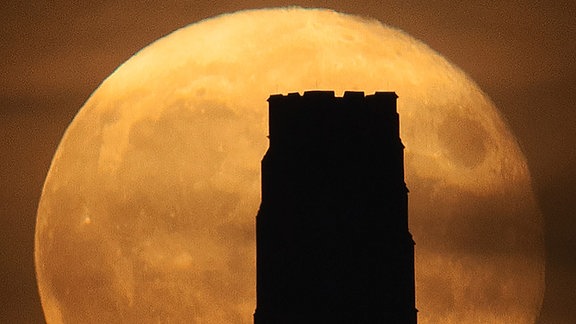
333,244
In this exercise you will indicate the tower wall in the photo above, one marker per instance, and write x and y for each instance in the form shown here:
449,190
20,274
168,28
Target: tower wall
333,244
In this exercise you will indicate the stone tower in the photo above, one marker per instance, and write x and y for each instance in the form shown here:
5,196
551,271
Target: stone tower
333,244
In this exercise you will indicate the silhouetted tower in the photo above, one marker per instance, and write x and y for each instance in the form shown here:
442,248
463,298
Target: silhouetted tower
333,244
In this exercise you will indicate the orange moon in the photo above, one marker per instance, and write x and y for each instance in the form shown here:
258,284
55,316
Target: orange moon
148,210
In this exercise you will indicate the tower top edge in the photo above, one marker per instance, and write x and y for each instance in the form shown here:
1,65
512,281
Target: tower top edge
329,94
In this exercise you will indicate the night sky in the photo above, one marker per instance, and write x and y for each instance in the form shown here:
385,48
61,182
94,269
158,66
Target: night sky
55,54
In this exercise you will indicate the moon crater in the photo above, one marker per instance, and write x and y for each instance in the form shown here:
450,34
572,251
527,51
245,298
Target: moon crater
463,140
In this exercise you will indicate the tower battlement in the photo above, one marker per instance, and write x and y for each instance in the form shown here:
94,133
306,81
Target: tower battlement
296,118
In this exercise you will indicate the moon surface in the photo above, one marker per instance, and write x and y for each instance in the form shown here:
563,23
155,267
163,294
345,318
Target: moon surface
148,211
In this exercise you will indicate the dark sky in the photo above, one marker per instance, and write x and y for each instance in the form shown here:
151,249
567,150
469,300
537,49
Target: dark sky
54,55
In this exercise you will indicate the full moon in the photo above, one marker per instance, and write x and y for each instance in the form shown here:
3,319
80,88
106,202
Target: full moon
148,211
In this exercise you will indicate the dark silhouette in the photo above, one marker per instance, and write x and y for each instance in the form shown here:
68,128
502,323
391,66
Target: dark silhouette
333,244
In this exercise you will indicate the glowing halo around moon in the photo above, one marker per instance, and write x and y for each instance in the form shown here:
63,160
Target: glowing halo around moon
147,213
